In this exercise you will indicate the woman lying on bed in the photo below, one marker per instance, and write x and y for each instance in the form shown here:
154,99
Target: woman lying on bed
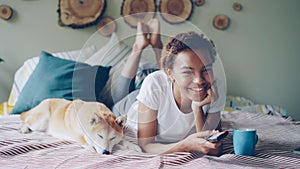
172,109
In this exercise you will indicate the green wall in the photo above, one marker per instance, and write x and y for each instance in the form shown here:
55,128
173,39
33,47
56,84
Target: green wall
259,51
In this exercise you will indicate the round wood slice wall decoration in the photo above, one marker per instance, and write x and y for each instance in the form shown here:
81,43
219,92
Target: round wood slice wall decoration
221,22
106,26
6,12
176,11
237,6
199,2
80,13
134,11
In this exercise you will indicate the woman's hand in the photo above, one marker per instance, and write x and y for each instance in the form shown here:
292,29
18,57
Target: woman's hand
212,95
196,143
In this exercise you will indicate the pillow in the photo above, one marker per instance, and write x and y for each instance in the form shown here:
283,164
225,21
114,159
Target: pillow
54,77
114,54
110,54
23,73
77,55
244,104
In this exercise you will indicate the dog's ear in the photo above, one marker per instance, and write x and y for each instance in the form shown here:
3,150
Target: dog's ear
95,119
121,120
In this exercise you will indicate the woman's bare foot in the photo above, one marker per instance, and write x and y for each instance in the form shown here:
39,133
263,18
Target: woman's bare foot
154,31
141,39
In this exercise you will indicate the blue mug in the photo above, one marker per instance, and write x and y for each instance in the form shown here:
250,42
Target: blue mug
244,141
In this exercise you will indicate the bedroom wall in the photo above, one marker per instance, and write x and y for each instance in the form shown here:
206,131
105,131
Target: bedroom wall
259,51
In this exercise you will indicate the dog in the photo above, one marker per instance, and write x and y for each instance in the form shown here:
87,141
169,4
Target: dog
91,124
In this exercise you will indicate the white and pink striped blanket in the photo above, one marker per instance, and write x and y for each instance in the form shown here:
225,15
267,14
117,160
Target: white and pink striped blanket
278,137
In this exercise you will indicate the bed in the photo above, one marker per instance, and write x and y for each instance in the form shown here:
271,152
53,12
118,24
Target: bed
278,133
278,137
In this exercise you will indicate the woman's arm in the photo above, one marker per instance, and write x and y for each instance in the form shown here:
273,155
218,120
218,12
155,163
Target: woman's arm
199,116
212,120
147,127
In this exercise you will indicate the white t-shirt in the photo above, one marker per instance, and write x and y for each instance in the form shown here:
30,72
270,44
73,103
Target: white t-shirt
156,93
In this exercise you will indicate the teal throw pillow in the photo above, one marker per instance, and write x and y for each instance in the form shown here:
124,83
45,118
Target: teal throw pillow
54,77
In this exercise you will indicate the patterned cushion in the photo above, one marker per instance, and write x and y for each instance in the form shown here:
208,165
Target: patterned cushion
244,104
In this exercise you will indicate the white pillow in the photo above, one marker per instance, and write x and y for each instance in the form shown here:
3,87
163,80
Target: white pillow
77,55
23,73
114,54
110,54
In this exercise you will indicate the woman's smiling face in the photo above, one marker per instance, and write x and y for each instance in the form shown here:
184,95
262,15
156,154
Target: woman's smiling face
192,74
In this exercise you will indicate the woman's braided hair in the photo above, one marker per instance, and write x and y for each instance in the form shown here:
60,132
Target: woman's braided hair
182,41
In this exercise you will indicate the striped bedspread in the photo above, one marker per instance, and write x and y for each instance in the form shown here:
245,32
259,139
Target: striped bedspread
277,138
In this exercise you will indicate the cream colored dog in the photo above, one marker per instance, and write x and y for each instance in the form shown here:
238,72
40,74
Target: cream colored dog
90,123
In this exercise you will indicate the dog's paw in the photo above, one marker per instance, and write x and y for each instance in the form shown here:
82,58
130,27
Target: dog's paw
129,145
136,148
25,129
119,147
